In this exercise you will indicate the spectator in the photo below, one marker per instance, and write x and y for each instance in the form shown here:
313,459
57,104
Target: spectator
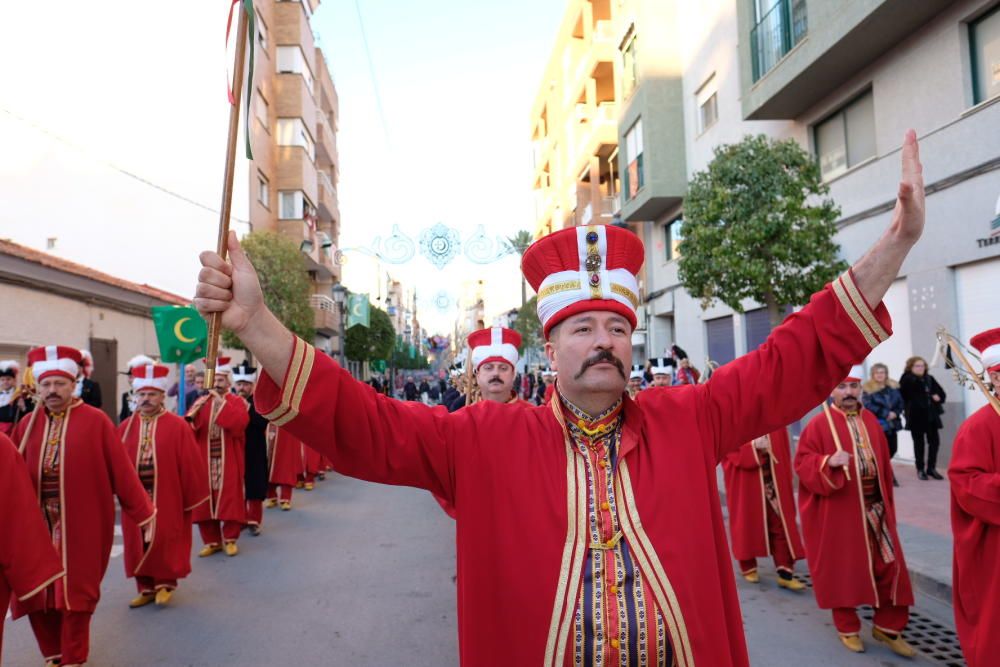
923,405
196,392
686,373
410,392
882,398
425,390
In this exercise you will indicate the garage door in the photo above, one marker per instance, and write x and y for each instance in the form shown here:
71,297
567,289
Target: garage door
978,305
896,350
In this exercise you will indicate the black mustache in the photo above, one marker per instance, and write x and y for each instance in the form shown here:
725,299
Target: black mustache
603,355
495,380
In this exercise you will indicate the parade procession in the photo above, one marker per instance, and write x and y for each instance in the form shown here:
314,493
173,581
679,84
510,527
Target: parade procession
714,382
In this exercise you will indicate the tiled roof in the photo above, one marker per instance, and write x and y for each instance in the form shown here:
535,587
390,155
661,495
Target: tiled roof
8,247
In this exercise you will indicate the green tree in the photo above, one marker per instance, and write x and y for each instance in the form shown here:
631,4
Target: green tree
520,241
374,342
528,325
284,282
757,226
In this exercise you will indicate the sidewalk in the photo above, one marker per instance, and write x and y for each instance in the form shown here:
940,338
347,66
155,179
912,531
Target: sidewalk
923,515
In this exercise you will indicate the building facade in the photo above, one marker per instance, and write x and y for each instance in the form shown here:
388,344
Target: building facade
295,167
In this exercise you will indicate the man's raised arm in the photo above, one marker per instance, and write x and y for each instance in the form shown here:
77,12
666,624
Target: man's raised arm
364,434
804,358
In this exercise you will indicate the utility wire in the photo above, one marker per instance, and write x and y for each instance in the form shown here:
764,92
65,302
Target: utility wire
113,166
371,72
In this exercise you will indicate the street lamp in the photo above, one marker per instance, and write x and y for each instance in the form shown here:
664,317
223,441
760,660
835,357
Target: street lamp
339,295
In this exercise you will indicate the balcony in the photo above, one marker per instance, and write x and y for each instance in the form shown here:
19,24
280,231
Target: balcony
802,49
296,171
326,140
328,207
291,26
326,317
603,129
292,98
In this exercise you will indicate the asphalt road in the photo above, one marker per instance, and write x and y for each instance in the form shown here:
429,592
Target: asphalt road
358,574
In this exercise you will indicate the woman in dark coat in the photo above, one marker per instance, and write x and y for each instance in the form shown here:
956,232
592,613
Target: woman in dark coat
923,401
882,398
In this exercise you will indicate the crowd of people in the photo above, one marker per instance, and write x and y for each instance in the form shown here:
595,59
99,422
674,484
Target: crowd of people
63,462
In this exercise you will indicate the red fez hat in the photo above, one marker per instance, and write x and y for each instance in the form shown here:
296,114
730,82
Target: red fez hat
494,344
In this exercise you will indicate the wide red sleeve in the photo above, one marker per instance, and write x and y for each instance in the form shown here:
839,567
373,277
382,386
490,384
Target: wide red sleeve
364,434
132,497
811,463
191,469
745,457
796,367
975,480
28,561
234,414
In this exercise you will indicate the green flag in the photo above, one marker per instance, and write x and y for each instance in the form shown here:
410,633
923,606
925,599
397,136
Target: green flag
181,333
358,310
378,366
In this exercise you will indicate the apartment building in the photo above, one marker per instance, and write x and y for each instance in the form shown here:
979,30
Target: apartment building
295,170
845,80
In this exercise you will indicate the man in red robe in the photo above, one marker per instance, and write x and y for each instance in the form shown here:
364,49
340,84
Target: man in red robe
975,518
166,457
28,561
312,462
220,418
849,519
761,504
493,357
583,532
285,464
78,467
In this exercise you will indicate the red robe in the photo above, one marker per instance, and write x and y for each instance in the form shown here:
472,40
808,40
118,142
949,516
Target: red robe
833,519
285,464
94,470
975,522
28,562
747,503
180,484
520,495
310,460
229,503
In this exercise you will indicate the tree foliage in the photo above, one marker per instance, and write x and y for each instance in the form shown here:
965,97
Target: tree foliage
373,342
283,280
528,325
757,226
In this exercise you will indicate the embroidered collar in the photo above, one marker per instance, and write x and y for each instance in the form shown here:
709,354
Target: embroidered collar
581,423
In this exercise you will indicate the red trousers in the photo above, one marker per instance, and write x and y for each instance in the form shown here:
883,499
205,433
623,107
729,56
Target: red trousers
212,532
308,477
888,616
150,584
280,492
777,542
255,512
62,635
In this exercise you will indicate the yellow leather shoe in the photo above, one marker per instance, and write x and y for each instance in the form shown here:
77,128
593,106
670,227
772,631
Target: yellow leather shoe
163,597
286,505
897,644
271,502
309,486
208,550
141,600
791,584
299,484
853,643
752,576
232,549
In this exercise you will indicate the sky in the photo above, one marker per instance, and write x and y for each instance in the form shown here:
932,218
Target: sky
113,129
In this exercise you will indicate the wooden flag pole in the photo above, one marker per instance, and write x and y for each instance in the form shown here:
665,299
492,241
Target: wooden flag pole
215,323
957,349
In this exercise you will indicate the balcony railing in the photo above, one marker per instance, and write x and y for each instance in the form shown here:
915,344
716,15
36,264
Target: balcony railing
326,318
780,29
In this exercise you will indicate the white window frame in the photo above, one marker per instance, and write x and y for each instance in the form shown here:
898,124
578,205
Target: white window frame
263,190
262,31
841,114
293,132
292,60
707,96
296,200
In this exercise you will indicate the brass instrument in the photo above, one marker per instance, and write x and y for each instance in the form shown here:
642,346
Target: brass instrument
196,407
965,375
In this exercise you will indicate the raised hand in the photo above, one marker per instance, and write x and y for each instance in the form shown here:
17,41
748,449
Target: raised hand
231,288
908,216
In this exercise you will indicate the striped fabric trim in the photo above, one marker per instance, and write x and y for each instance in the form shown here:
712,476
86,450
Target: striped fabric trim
650,563
573,552
41,587
854,305
296,378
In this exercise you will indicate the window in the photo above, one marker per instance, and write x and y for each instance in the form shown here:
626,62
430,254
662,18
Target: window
708,105
984,40
672,238
263,190
260,109
261,31
291,60
630,70
293,132
846,138
634,178
291,205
